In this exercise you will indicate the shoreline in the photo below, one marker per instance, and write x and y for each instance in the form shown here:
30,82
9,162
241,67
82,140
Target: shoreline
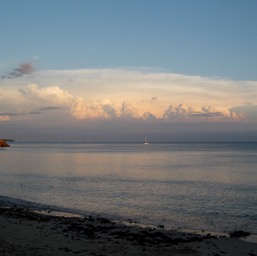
26,232
49,209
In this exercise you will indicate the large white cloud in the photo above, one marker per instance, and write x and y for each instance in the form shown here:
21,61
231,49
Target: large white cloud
82,109
50,94
138,94
132,84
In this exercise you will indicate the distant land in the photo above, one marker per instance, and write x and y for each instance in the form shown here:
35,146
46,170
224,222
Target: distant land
3,143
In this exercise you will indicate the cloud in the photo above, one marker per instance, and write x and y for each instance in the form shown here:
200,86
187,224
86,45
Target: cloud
23,69
34,113
110,111
237,116
178,113
156,90
7,116
128,111
4,117
183,113
149,116
82,109
49,108
246,111
46,95
33,100
128,94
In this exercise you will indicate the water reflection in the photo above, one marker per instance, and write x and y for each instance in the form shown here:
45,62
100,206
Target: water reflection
193,182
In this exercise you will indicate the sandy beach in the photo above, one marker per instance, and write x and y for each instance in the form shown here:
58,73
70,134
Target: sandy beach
25,232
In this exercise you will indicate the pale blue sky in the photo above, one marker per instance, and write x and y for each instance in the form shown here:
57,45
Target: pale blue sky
193,37
85,70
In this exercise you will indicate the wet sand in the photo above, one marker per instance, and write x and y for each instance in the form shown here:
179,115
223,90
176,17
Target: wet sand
25,232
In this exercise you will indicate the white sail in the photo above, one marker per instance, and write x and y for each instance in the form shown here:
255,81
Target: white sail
146,142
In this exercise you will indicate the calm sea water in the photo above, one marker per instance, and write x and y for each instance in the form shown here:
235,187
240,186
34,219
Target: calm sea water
210,186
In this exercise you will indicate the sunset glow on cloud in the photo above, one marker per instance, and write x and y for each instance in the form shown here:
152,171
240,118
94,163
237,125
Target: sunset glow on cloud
113,94
120,70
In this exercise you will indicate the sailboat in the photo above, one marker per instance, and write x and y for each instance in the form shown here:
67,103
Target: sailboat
146,142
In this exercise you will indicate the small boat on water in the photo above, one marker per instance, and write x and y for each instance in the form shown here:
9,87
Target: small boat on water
146,141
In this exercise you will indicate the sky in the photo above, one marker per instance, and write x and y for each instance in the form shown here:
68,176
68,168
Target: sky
119,70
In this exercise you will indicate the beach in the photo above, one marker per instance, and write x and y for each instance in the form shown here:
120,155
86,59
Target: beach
26,232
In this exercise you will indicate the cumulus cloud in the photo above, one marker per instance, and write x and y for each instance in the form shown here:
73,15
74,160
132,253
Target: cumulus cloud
182,113
177,113
82,109
128,111
248,111
149,116
45,95
33,100
131,94
44,92
23,69
109,110
151,87
209,112
237,116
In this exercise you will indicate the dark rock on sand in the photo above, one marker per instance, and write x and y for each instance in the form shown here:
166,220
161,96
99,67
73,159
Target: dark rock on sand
239,233
22,231
103,220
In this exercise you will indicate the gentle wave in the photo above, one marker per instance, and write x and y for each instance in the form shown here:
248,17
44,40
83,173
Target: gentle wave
210,186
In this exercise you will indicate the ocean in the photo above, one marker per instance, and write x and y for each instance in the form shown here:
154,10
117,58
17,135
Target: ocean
193,186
